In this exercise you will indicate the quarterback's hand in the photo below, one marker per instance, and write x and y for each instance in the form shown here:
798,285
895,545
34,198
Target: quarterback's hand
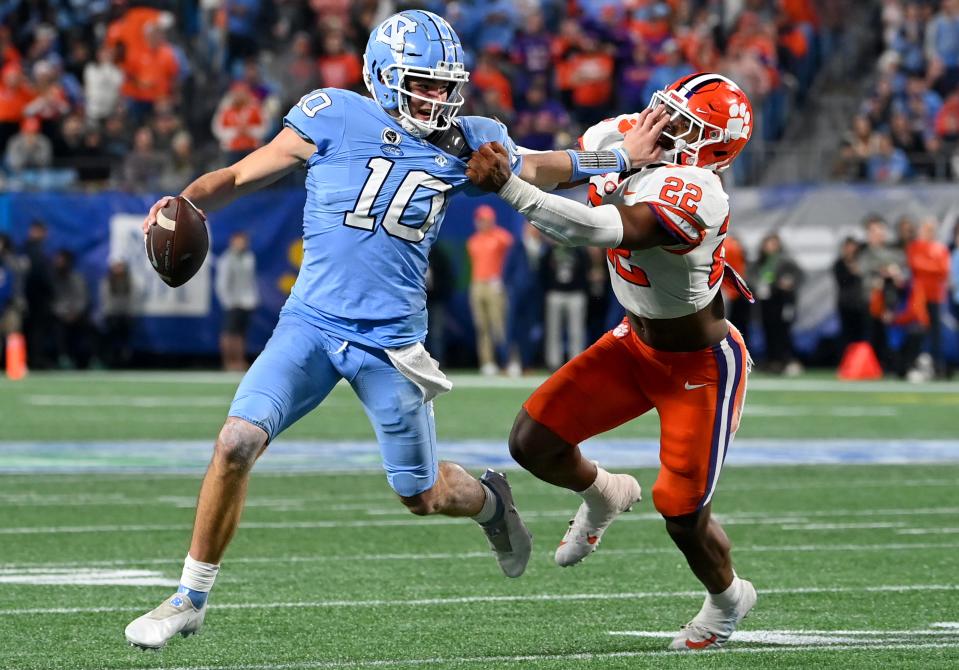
488,167
157,206
641,141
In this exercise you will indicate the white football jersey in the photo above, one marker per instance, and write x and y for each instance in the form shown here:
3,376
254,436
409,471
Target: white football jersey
669,281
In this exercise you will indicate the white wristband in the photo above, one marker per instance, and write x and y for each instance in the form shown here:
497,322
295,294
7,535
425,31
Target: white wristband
568,222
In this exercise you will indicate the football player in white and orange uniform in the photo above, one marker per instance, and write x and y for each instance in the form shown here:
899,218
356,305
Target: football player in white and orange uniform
664,227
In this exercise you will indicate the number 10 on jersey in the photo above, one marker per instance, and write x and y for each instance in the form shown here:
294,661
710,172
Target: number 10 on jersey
380,169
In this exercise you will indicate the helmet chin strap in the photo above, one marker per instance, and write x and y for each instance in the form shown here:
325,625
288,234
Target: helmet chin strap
413,128
408,125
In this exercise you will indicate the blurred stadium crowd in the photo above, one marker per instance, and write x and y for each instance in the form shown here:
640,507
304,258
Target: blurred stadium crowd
908,125
145,95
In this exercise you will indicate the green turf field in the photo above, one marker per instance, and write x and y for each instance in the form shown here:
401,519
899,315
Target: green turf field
856,565
98,406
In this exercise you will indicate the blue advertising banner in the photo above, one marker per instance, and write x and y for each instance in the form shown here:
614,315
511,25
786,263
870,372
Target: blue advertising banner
100,228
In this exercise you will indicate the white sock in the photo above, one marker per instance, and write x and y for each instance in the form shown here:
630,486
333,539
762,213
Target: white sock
198,576
488,512
596,491
728,598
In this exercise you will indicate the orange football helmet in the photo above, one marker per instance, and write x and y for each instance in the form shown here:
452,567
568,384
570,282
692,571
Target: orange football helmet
710,120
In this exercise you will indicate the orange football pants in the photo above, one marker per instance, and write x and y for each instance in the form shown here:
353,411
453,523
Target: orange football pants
699,396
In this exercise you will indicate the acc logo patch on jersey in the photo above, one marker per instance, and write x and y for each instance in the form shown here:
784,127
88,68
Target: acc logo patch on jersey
390,136
391,140
441,160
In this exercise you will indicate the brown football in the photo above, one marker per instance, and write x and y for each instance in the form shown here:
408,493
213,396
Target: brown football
178,242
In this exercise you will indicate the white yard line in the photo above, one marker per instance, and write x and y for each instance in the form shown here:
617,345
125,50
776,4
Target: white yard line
85,577
466,600
757,383
786,520
124,401
928,531
453,661
864,638
173,563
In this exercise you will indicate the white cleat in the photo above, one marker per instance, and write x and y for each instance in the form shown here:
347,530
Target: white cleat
176,614
712,627
593,518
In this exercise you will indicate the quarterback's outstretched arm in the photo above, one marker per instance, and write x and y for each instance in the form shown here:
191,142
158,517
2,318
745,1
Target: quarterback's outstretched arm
547,169
285,153
563,220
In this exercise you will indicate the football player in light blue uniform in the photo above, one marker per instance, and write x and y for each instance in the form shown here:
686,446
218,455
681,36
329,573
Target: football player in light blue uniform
380,173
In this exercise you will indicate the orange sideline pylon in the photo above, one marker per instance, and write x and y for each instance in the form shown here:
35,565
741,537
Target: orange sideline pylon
16,356
859,362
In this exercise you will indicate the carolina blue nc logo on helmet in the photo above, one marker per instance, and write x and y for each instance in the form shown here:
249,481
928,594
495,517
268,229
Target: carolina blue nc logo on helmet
415,44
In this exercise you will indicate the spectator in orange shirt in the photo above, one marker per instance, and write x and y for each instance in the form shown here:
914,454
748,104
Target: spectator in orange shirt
590,78
51,103
128,33
929,263
151,71
487,249
903,304
947,119
239,123
488,75
339,66
15,95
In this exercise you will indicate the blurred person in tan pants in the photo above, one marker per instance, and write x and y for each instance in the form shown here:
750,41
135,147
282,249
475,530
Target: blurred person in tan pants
487,249
238,294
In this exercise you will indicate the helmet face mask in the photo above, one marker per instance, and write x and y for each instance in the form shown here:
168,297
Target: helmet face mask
442,112
709,124
415,45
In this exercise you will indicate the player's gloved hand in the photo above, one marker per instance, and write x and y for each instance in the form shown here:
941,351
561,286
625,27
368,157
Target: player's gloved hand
641,142
488,167
151,217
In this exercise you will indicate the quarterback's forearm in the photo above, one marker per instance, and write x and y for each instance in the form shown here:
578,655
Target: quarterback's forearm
213,190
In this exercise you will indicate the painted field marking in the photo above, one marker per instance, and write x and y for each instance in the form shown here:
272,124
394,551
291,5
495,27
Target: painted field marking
928,531
85,577
466,600
205,402
834,411
453,661
878,482
192,456
757,383
810,637
123,401
483,555
785,520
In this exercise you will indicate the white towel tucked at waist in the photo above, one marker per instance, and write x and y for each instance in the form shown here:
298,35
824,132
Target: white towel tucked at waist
415,363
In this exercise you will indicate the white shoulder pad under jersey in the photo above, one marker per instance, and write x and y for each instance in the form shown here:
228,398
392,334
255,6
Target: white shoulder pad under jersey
679,279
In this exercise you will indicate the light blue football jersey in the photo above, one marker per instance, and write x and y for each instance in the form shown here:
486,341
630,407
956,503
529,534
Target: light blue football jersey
376,197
